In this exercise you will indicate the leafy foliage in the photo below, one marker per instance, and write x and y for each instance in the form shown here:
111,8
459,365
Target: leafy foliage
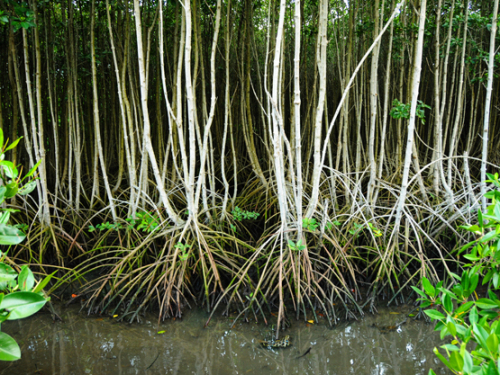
144,221
20,16
296,246
459,311
402,110
240,215
22,298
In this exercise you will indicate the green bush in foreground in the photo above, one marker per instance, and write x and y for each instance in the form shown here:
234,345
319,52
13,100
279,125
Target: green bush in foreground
472,322
18,298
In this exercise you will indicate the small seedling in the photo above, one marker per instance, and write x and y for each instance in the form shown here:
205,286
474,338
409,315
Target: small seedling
184,252
376,232
296,246
310,224
239,214
144,221
357,228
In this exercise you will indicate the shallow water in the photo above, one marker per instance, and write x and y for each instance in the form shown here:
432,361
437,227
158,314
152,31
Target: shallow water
100,346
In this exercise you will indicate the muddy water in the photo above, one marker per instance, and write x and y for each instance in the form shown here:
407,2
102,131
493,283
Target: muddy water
101,346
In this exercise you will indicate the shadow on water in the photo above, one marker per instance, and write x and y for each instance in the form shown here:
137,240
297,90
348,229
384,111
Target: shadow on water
101,346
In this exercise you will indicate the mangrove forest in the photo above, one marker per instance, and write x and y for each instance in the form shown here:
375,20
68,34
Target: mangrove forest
270,157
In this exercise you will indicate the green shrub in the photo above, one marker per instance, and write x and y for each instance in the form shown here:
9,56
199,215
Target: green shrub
471,322
18,298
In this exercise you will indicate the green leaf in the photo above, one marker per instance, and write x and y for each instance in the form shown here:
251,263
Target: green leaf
473,316
488,236
488,276
447,304
7,273
491,369
443,359
474,279
481,335
471,257
465,307
456,361
12,189
467,362
26,280
448,292
492,343
451,328
450,347
434,314
444,332
418,291
461,330
4,217
429,289
485,303
495,279
9,350
43,283
28,188
9,169
32,170
22,304
496,211
471,228
13,144
10,235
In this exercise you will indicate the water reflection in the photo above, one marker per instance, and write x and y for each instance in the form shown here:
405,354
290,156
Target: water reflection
100,346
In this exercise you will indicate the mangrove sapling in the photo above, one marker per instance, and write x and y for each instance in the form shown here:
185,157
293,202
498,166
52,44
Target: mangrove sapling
23,298
458,310
18,300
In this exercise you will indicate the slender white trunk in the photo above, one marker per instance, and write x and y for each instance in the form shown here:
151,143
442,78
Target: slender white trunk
213,99
147,138
278,151
373,107
386,107
321,61
42,196
458,112
22,110
42,169
178,105
131,172
296,102
189,185
277,118
487,104
53,118
411,125
227,105
97,126
437,105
